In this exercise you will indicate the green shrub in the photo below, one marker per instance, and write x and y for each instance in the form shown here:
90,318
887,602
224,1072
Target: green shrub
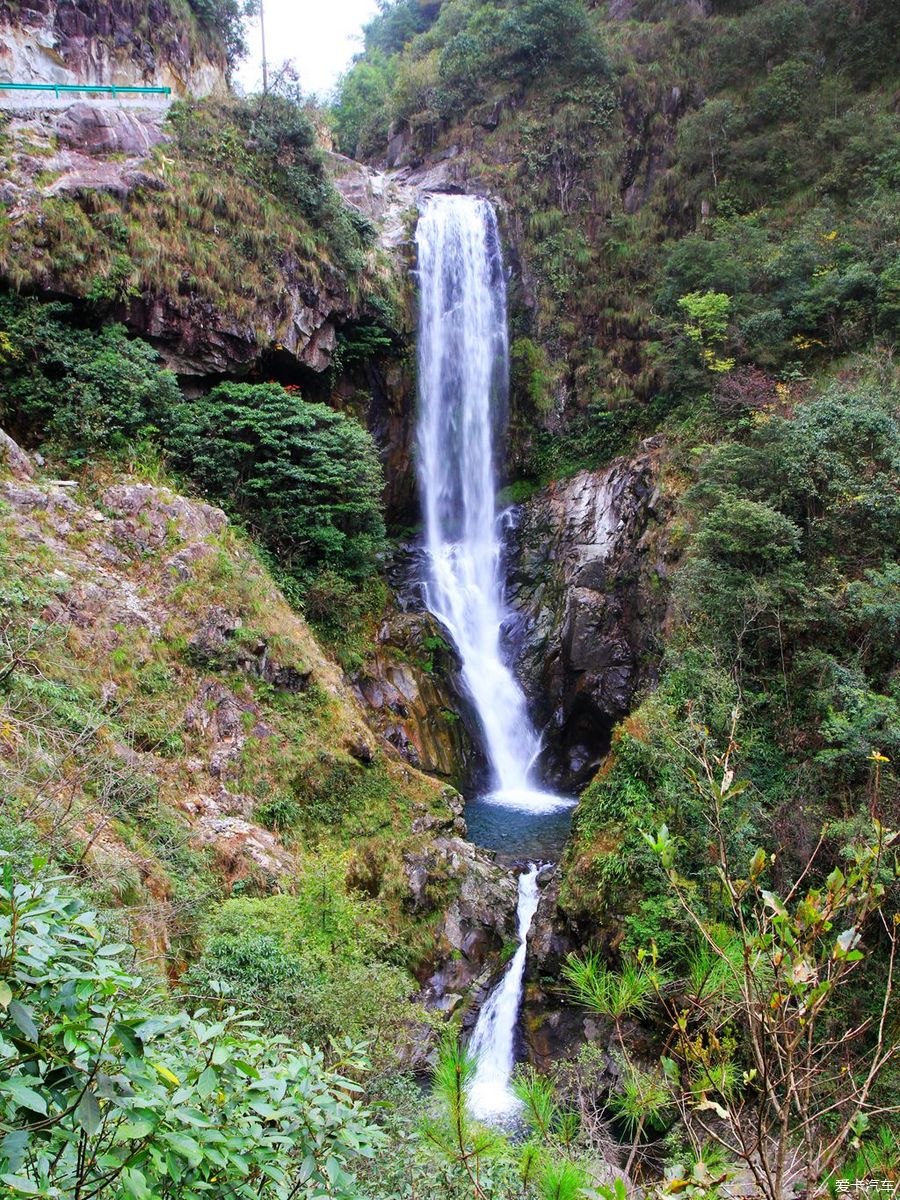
535,36
313,964
307,479
108,1092
84,390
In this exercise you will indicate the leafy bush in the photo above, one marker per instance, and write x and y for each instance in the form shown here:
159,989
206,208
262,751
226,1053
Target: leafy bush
313,964
225,18
84,390
307,479
535,36
398,22
104,1091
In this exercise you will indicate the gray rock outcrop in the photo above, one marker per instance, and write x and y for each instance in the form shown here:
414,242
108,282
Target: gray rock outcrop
124,42
586,574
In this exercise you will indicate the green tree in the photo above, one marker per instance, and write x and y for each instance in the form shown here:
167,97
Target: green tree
227,19
306,478
361,114
707,326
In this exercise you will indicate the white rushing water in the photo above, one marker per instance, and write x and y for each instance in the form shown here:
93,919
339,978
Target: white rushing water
463,365
463,377
493,1041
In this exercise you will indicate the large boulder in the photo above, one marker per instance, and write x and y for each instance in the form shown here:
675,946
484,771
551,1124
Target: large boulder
100,129
14,458
410,685
478,899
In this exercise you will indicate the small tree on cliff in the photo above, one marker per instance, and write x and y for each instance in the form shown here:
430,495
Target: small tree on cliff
775,1043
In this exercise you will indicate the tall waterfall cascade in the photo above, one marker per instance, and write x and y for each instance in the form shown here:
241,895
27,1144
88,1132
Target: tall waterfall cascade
463,364
463,376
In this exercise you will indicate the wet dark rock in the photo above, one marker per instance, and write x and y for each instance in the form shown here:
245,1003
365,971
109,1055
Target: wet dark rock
362,751
585,575
197,338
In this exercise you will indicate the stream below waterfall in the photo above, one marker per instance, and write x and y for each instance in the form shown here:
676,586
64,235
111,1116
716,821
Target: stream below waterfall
463,368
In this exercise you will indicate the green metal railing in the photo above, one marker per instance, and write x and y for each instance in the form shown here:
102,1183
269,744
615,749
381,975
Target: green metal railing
106,89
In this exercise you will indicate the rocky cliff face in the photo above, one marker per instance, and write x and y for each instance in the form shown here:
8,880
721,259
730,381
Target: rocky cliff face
90,154
411,688
125,42
187,717
586,571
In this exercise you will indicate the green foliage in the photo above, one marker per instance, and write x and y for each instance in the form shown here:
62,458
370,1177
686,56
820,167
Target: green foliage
107,1092
398,22
225,18
361,118
357,346
306,478
707,326
612,994
478,1161
83,390
531,377
644,1101
794,956
524,41
314,965
536,36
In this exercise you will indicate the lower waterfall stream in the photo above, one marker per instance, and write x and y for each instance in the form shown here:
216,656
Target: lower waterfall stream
463,364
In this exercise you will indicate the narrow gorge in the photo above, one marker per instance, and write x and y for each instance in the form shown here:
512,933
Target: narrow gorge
449,509
463,357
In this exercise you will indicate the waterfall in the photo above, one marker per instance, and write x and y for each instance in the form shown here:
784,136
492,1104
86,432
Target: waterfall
463,375
463,364
492,1043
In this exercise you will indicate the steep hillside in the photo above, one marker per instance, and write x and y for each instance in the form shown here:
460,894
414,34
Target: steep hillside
173,735
643,153
211,228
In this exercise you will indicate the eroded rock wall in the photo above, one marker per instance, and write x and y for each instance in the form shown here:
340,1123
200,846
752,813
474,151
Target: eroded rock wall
124,42
587,583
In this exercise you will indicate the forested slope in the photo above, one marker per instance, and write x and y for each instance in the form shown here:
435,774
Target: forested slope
217,689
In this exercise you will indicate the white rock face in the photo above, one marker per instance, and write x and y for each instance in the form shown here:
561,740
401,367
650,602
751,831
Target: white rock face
34,50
